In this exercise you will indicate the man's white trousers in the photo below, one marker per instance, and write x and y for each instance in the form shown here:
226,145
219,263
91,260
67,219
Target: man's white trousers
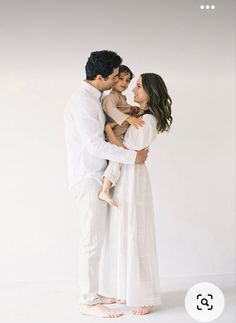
92,214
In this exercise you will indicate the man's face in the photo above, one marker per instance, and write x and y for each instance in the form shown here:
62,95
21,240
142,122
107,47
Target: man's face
107,83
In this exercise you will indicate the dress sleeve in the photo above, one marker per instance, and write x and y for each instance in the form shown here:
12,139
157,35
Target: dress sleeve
137,139
109,105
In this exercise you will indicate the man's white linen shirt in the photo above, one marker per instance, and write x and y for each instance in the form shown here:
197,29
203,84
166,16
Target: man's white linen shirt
87,150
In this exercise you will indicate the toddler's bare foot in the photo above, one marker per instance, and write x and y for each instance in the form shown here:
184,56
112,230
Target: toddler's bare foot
99,310
121,301
105,196
142,310
106,300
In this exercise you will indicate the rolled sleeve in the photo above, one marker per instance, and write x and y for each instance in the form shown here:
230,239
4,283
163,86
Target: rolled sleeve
109,105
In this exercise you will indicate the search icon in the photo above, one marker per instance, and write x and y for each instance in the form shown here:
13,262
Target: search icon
205,301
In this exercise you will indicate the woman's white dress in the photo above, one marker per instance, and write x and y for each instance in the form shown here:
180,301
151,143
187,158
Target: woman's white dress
129,265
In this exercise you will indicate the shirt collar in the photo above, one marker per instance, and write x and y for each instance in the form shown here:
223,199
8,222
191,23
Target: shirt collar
91,89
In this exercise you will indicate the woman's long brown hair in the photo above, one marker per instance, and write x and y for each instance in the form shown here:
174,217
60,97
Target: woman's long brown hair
159,102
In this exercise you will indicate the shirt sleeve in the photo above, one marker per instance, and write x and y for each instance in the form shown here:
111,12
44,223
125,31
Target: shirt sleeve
109,104
137,139
85,116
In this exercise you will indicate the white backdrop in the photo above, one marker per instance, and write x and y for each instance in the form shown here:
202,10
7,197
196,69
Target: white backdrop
44,47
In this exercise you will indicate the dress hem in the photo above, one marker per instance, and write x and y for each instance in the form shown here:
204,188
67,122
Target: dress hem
152,302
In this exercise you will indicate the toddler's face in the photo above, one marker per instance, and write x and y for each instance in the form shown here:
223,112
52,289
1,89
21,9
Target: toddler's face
122,82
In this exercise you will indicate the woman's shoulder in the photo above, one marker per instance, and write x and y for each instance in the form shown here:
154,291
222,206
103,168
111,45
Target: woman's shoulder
137,139
148,117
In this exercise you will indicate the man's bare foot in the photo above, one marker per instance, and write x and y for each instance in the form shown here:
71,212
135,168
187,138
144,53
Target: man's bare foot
106,300
99,310
120,301
142,310
105,196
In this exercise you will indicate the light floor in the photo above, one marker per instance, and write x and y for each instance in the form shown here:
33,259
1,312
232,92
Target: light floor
56,302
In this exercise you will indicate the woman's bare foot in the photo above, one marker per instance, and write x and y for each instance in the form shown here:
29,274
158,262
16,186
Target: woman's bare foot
120,301
105,196
106,300
142,310
99,310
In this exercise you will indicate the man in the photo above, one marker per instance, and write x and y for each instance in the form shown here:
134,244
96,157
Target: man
87,152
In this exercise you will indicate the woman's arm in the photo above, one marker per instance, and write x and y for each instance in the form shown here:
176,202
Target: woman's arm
112,137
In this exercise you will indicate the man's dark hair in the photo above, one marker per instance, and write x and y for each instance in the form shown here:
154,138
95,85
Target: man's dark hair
101,63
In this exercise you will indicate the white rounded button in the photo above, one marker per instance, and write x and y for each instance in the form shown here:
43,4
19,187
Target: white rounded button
204,302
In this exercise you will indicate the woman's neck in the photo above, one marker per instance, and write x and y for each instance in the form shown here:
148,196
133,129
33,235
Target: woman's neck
142,109
143,106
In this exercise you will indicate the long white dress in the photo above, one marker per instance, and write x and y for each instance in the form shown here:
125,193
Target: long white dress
129,264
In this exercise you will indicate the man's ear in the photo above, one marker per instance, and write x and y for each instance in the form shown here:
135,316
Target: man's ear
99,77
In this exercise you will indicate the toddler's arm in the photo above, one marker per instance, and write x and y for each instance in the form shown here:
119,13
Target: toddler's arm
135,109
109,105
135,121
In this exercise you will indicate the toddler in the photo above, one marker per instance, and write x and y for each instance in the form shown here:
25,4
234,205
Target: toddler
120,115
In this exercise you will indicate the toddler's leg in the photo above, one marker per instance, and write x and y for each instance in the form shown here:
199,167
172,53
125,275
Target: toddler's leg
105,192
110,177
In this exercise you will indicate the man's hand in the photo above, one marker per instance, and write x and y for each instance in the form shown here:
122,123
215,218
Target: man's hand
135,121
142,156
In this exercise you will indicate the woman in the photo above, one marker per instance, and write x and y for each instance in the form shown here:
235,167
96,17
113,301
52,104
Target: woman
129,266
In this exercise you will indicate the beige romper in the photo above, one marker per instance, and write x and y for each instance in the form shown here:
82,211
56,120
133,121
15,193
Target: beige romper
117,110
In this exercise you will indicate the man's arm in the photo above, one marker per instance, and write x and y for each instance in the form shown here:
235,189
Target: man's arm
141,154
85,116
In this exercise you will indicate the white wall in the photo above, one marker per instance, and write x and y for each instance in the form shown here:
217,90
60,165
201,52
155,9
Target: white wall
44,47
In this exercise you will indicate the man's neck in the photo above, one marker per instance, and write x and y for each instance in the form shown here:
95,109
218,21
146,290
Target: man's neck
94,84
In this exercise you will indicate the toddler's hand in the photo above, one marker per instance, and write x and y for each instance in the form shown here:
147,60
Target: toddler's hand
135,121
135,109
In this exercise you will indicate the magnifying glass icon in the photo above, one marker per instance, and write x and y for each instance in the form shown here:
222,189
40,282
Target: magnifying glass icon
205,301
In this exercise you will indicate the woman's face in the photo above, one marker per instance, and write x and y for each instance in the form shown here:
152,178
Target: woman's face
140,95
